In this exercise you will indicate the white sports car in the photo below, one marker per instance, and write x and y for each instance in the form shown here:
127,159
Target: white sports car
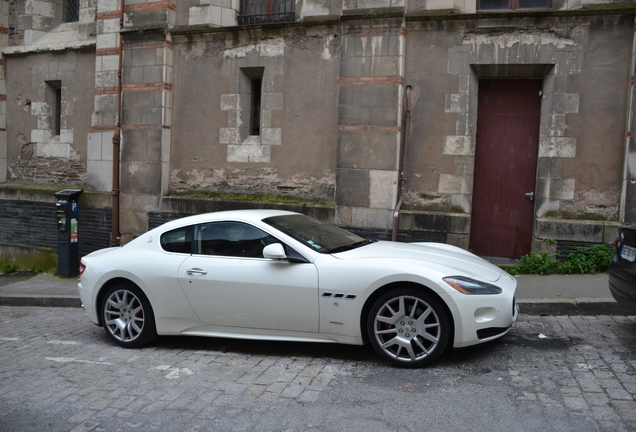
278,275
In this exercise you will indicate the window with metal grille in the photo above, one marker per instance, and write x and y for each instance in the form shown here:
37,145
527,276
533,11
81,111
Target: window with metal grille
71,10
492,5
266,11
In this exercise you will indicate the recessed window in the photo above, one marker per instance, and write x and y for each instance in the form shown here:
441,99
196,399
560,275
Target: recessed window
495,5
54,99
252,84
255,106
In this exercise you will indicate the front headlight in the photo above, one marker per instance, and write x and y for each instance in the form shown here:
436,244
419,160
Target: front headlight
470,286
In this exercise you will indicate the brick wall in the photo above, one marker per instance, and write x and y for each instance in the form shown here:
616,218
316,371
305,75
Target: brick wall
34,224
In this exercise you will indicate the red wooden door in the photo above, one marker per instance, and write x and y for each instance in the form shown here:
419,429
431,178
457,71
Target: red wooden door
505,167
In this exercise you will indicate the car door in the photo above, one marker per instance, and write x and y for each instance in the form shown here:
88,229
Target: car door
230,284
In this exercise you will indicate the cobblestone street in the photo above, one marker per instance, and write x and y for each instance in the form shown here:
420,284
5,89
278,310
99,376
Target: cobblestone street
59,372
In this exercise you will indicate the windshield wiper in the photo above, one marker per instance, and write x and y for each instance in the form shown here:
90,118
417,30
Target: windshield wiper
344,248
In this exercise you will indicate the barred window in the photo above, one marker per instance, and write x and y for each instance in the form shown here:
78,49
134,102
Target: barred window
71,10
266,11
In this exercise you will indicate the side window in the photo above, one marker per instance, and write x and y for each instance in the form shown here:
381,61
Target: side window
178,240
235,239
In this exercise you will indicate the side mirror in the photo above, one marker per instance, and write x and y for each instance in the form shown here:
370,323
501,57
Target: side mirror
274,251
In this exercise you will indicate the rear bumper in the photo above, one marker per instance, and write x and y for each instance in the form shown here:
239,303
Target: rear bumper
623,291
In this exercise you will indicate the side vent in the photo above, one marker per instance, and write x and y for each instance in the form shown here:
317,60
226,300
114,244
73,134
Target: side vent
339,296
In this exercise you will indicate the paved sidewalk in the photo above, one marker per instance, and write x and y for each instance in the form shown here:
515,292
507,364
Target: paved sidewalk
536,295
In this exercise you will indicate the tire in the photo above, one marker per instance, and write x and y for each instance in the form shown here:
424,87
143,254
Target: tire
408,327
127,316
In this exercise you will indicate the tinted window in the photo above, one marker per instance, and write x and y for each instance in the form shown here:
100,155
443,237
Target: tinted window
178,240
235,239
318,235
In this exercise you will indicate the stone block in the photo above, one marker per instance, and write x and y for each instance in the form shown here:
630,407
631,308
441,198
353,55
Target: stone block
228,17
562,189
106,79
271,136
463,145
453,184
229,136
552,125
249,153
459,240
106,41
353,115
138,99
557,147
66,136
40,109
457,103
371,218
140,177
41,136
99,175
272,101
143,57
430,221
152,116
368,149
570,230
547,246
549,167
373,4
352,187
610,231
382,189
462,201
153,74
385,66
229,102
107,26
566,103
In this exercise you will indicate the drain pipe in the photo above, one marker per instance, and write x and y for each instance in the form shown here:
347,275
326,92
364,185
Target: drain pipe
404,156
114,234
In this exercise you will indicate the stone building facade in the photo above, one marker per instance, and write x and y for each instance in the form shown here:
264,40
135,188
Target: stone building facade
306,102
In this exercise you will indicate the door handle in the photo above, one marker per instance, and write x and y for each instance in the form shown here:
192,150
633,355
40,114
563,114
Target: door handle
530,195
196,271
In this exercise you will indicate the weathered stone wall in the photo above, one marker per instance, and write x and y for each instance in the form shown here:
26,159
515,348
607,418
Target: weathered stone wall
294,153
581,63
35,153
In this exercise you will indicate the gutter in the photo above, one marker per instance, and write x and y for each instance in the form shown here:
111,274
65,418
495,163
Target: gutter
404,153
115,235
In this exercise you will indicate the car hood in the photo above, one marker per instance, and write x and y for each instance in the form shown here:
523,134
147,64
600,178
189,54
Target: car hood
457,260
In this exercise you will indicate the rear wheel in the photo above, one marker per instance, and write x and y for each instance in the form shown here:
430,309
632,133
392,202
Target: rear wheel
408,327
127,316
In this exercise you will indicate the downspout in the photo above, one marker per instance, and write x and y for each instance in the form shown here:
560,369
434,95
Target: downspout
114,234
404,156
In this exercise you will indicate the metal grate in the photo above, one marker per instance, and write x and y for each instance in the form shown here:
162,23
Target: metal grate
71,10
267,11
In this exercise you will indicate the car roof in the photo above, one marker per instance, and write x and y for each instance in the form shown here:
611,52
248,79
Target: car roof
250,215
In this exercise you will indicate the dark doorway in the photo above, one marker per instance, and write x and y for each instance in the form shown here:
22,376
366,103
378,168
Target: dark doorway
506,152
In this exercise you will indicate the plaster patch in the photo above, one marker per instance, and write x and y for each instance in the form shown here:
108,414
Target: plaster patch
268,48
326,53
557,147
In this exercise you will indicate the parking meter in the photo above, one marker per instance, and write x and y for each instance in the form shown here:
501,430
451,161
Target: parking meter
67,215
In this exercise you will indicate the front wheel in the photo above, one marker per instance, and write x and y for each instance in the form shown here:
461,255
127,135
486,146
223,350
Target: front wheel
127,316
408,327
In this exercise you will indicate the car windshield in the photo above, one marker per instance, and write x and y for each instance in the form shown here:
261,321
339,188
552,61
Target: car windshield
320,236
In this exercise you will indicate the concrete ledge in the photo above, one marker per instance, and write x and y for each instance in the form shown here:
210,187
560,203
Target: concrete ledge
598,306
